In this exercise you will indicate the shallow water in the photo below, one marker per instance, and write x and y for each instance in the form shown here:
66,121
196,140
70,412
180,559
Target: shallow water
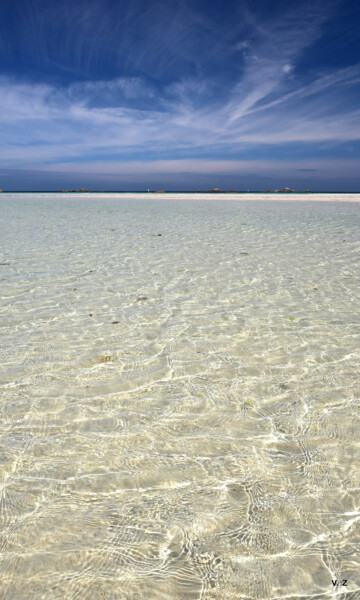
180,413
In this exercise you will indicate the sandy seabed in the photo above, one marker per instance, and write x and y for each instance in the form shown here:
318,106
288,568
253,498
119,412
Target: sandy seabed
180,414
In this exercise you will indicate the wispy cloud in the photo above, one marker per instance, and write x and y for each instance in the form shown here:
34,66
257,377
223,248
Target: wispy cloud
265,102
280,42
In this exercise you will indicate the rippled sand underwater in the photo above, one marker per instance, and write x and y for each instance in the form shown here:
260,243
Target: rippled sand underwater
180,413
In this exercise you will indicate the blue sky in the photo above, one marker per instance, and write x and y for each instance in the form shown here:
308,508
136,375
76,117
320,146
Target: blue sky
180,94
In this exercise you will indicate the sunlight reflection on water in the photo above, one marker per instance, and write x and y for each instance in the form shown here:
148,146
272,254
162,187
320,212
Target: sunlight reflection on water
180,412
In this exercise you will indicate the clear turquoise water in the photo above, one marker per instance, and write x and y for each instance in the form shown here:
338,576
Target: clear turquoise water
196,437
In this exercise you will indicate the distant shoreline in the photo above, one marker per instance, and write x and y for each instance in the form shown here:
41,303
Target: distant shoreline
234,196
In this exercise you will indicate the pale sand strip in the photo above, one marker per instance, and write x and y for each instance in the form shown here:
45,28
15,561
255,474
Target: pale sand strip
308,197
281,197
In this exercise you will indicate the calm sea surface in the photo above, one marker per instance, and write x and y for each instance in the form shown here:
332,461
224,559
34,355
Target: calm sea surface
180,411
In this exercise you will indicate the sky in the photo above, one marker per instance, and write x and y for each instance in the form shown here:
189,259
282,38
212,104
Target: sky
180,94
